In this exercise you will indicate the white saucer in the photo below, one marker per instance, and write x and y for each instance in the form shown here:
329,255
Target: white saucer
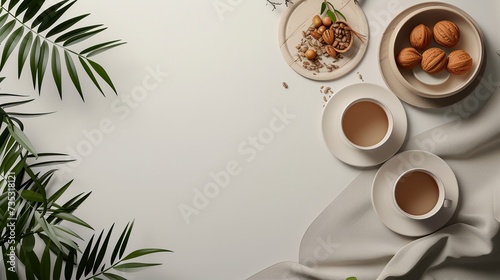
382,192
332,130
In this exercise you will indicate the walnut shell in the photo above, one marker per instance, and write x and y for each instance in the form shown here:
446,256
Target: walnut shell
446,33
331,51
328,36
420,37
434,60
459,62
408,58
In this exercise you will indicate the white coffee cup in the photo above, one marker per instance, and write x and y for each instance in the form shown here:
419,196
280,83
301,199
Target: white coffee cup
419,194
366,124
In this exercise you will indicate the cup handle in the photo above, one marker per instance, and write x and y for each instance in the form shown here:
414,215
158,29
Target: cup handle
447,203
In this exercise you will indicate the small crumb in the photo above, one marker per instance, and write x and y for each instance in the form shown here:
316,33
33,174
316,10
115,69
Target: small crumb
360,77
285,85
498,52
324,98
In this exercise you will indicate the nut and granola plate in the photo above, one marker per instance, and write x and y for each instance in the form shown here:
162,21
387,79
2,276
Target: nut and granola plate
317,48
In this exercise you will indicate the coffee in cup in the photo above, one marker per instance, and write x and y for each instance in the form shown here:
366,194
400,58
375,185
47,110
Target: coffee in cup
419,194
366,124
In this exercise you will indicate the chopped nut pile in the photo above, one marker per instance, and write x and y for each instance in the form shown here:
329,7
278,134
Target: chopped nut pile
321,43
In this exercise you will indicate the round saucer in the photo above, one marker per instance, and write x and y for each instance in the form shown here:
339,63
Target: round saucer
382,192
391,80
333,134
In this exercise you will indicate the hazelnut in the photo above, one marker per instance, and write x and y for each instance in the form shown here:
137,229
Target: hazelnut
316,20
321,29
434,60
311,54
459,62
446,33
327,21
408,58
420,37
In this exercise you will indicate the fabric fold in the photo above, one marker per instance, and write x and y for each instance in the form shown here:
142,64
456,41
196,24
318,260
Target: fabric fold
347,238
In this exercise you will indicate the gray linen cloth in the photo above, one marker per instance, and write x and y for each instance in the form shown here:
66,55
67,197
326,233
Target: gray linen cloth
348,239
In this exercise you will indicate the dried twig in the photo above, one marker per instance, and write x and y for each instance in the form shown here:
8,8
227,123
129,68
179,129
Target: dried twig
275,4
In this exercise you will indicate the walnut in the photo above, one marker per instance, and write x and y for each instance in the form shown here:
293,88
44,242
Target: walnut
446,33
459,62
408,58
420,37
328,36
434,60
331,51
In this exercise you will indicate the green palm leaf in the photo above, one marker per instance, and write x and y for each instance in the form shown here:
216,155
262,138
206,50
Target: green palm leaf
6,29
65,25
143,252
48,230
3,19
89,264
24,50
81,37
70,264
114,276
12,4
101,72
56,273
90,74
42,63
84,258
76,32
21,138
32,9
73,74
34,58
45,264
134,266
38,24
50,15
101,46
56,70
102,252
119,243
22,7
10,45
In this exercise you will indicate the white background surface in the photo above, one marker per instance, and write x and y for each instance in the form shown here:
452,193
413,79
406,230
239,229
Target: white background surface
225,74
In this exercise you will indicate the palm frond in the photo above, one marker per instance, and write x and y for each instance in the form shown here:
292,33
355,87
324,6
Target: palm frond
40,36
40,217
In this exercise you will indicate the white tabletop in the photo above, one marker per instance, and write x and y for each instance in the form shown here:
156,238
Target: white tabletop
200,103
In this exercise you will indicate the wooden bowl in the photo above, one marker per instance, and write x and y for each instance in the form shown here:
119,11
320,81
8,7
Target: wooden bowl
349,31
442,84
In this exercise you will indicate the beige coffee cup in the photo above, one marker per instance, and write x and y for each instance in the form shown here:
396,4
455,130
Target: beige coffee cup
419,194
366,124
